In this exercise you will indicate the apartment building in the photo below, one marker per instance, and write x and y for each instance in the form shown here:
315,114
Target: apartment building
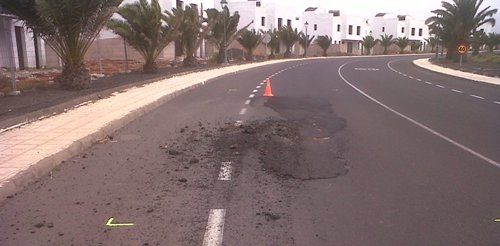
347,30
264,15
400,26
18,46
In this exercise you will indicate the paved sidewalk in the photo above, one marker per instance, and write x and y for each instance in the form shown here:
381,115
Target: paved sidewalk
33,150
424,63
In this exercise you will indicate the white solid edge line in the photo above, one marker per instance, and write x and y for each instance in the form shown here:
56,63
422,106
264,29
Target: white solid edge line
478,97
215,228
449,140
243,111
225,171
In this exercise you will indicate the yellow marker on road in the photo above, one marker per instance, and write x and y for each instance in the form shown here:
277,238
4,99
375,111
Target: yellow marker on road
110,223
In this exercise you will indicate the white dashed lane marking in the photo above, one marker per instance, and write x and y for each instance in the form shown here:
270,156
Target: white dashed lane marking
457,91
254,91
496,102
258,87
215,228
243,111
251,96
478,97
427,82
440,86
225,171
419,80
247,102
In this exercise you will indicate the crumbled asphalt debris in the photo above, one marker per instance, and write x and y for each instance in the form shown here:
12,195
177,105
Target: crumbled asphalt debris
182,180
194,161
174,152
39,224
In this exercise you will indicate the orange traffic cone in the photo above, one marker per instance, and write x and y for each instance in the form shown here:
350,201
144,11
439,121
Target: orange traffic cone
269,90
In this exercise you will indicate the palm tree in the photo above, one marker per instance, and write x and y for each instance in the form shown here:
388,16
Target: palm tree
492,40
142,28
216,34
249,40
305,42
456,22
476,41
432,41
386,41
324,43
190,30
415,46
69,27
274,44
288,36
369,42
402,43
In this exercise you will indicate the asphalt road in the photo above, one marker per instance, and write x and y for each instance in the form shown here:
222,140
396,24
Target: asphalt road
350,151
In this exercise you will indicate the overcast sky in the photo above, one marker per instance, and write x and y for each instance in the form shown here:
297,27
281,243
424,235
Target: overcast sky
368,8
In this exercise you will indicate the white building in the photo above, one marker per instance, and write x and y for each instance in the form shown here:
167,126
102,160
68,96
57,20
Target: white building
17,45
345,29
264,15
400,26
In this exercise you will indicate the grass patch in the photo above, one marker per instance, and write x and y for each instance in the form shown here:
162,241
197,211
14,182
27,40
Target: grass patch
486,58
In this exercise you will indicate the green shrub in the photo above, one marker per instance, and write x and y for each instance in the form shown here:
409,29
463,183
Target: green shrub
5,84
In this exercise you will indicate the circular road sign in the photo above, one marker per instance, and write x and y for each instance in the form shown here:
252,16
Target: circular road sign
266,39
462,49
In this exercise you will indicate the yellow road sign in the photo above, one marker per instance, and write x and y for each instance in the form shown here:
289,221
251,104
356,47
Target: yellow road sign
462,49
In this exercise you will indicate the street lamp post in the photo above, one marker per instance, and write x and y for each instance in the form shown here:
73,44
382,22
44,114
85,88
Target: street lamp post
223,4
307,39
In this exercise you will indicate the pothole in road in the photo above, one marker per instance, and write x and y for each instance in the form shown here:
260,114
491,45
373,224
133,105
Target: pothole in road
286,148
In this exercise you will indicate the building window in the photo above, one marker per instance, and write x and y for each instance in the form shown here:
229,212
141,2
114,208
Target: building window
289,23
280,22
383,29
350,29
315,27
402,30
338,28
263,21
257,4
358,30
420,32
413,31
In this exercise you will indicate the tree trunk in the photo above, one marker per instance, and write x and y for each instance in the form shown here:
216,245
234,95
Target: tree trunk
189,61
385,50
75,77
288,53
150,67
220,55
325,54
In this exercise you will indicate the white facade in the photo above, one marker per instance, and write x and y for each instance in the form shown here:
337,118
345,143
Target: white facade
335,24
17,45
265,15
400,26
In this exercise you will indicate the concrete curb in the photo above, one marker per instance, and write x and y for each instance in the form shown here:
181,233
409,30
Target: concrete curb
425,64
